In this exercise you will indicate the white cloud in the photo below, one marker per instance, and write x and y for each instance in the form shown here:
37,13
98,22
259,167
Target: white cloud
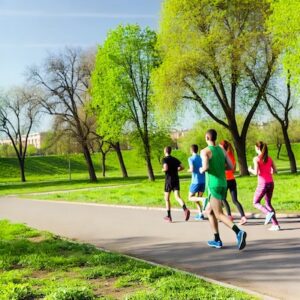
20,13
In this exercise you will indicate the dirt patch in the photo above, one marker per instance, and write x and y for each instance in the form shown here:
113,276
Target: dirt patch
106,287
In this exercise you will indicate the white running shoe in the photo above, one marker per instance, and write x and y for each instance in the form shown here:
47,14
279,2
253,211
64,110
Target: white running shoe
274,228
269,217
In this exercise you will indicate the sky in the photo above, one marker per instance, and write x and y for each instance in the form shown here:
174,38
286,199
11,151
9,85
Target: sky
31,29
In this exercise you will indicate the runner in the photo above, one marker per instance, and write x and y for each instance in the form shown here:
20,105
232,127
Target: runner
264,167
214,159
171,166
231,184
197,186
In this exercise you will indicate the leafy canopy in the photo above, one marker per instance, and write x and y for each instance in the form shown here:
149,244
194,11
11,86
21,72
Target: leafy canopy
121,78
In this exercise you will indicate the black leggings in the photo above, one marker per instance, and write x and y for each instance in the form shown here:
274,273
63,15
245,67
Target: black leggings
231,186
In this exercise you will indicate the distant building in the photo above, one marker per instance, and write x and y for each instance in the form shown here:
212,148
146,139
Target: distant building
34,139
177,134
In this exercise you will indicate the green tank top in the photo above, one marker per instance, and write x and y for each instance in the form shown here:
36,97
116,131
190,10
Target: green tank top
216,171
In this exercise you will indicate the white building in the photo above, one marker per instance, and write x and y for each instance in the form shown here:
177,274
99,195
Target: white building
34,139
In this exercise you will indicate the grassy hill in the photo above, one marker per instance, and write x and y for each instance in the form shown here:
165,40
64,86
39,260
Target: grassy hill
57,167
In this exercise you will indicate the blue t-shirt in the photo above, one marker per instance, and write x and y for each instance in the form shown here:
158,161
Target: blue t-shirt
196,162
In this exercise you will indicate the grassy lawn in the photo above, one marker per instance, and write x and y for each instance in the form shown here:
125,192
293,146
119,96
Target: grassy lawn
50,174
39,265
151,194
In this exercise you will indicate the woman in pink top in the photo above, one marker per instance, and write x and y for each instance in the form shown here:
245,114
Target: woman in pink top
264,167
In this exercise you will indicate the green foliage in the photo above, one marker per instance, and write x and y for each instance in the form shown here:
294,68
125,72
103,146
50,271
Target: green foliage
125,60
201,41
7,150
14,291
75,293
284,24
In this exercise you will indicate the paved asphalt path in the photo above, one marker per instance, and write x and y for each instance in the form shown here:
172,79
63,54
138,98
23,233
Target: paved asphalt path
270,264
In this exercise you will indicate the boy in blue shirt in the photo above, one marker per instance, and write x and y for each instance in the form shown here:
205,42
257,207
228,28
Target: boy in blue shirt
197,186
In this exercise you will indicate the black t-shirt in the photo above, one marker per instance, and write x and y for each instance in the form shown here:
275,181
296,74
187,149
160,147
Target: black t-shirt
173,164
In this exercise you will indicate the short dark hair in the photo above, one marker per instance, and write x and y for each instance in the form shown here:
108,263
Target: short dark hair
168,149
194,148
212,134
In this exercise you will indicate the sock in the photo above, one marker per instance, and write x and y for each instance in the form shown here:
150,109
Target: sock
235,229
169,213
184,207
217,237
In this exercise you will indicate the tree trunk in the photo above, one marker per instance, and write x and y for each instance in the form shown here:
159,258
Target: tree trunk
279,146
148,160
117,147
22,169
240,147
103,164
290,153
89,162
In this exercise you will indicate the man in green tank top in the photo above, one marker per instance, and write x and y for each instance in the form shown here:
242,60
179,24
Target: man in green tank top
214,163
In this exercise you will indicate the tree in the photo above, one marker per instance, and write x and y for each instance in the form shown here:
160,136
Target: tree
121,85
213,52
65,79
280,105
19,110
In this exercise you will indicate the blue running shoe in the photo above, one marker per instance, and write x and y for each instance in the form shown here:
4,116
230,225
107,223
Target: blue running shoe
199,217
241,239
269,217
215,244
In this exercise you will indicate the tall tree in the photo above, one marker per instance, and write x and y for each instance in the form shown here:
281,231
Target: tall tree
19,111
280,105
213,52
121,88
65,79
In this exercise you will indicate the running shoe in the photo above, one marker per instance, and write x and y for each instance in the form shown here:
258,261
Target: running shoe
269,217
241,239
199,217
215,244
274,228
243,221
187,214
168,219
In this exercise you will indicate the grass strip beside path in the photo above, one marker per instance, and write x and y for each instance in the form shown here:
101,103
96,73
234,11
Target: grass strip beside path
39,265
144,193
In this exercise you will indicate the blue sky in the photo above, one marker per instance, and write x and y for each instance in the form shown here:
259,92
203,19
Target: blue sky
30,29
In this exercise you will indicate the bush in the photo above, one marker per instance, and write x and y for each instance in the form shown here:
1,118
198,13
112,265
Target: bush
74,293
16,292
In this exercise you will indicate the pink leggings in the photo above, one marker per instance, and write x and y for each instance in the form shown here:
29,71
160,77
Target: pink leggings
266,191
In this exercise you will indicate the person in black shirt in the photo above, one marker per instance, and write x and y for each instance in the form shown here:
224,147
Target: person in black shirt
171,166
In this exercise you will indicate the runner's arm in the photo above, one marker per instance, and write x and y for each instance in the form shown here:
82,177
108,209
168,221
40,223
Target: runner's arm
254,170
274,167
181,167
191,167
205,161
228,163
165,167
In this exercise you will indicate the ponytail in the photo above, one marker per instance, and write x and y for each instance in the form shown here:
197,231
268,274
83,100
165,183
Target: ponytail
264,151
227,147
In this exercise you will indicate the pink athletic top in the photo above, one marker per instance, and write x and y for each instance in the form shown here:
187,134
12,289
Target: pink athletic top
265,171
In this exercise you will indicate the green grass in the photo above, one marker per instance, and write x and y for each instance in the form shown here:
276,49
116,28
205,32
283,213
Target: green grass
151,194
39,265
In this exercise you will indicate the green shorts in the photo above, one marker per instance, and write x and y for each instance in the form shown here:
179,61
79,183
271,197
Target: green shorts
217,192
